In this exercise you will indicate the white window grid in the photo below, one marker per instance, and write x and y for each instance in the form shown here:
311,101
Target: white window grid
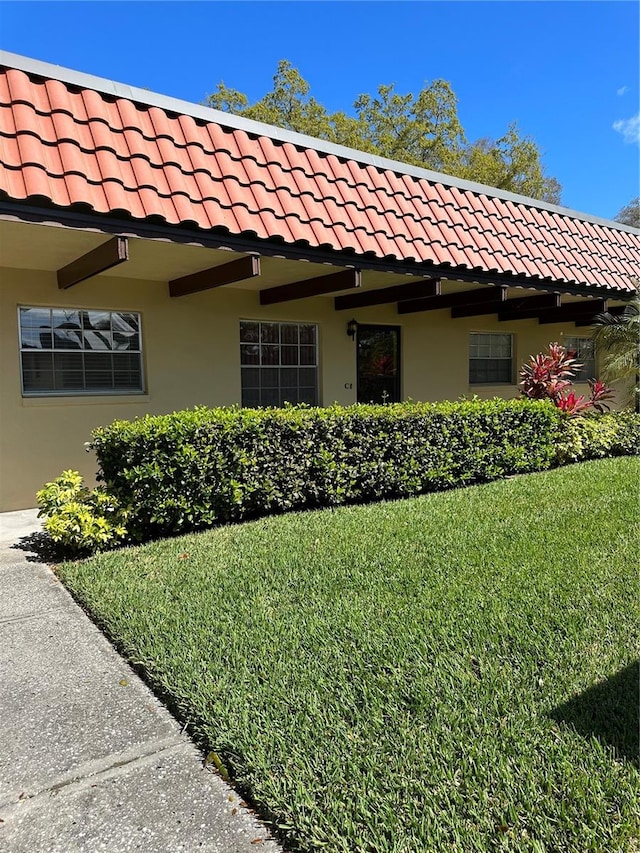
279,362
491,358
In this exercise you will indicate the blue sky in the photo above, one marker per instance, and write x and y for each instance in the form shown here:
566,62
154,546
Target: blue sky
567,72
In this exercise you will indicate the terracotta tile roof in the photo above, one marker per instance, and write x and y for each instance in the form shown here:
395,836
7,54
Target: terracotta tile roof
72,145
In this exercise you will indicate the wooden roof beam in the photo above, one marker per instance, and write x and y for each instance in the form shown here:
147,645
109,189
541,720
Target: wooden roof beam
574,312
395,293
510,307
238,270
528,307
614,310
343,280
454,300
115,251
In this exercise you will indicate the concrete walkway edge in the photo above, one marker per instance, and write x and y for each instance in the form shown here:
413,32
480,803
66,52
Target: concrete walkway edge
91,760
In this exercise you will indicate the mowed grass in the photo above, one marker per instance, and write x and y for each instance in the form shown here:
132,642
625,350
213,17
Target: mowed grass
454,672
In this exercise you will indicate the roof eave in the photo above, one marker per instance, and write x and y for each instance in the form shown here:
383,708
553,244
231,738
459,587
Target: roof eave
111,224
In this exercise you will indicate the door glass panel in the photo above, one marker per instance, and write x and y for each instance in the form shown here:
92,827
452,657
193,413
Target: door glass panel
378,364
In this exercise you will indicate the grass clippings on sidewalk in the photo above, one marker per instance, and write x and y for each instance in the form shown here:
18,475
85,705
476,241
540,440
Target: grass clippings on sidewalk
454,672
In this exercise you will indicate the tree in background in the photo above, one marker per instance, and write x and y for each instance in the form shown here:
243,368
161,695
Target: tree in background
422,130
512,163
630,213
289,105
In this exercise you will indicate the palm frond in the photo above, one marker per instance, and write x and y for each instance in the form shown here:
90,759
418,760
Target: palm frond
617,338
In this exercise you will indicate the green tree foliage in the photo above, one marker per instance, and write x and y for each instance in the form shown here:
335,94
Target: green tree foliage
289,105
630,213
423,130
512,163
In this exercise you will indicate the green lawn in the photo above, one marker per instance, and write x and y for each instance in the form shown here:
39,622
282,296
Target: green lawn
453,672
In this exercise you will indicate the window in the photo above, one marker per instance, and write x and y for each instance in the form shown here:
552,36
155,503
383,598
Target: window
279,363
585,353
70,351
490,359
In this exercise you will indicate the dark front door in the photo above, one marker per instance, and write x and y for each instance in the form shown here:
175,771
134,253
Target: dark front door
378,364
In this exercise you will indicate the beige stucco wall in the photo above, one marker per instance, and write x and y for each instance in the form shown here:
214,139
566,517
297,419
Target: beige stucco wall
191,355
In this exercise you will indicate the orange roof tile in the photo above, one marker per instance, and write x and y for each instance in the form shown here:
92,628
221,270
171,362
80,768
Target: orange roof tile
74,140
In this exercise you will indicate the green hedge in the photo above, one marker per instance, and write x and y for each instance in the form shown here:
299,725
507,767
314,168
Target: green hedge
598,436
196,468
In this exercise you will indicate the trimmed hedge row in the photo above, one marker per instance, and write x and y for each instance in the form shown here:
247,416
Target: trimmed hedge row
200,467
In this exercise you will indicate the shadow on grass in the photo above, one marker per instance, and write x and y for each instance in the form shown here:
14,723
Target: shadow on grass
609,711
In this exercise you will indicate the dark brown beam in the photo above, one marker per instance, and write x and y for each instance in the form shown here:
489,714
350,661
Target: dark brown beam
573,311
614,310
528,307
453,300
511,307
238,270
395,293
342,280
103,257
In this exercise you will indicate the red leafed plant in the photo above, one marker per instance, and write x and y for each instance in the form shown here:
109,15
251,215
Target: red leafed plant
548,375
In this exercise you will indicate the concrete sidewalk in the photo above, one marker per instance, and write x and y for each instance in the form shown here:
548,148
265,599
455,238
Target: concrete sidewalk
90,759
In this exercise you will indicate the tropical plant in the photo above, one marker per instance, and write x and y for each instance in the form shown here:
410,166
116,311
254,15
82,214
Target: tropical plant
80,519
548,376
617,337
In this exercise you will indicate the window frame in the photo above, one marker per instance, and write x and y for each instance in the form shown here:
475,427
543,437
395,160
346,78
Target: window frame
583,375
512,359
79,392
279,366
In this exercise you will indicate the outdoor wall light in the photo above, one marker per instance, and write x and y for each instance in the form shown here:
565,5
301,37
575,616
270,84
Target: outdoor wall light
352,328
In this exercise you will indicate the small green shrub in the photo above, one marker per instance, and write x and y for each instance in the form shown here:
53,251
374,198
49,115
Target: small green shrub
80,519
598,436
195,468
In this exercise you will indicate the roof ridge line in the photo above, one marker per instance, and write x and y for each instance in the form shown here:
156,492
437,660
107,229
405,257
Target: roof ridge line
148,98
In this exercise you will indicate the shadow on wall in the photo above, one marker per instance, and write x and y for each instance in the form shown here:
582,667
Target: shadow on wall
609,711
